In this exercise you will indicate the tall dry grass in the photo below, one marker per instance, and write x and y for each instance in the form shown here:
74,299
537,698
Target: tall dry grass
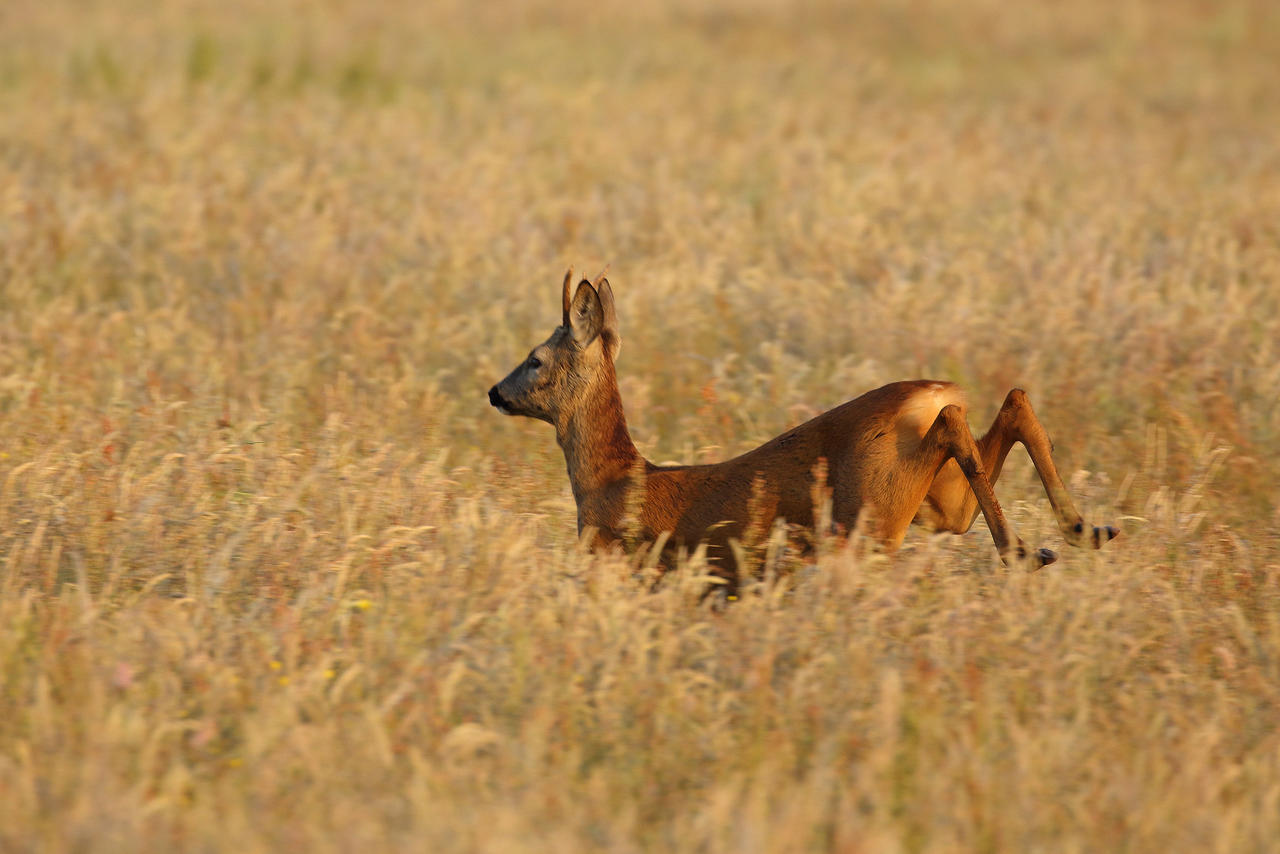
273,575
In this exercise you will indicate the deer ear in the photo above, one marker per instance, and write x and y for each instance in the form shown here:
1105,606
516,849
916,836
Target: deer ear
586,315
564,297
609,327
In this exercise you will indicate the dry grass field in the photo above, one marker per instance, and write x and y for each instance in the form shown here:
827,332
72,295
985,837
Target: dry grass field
275,577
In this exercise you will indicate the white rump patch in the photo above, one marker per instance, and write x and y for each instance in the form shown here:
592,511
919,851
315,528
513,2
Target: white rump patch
921,409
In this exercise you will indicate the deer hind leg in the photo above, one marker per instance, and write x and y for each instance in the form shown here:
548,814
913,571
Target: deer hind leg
949,437
952,506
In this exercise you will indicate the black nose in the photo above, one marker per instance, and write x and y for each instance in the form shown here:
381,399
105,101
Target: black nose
495,399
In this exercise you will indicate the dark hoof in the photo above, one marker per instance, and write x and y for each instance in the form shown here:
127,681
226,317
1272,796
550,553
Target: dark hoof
1104,534
1078,535
1033,560
1045,557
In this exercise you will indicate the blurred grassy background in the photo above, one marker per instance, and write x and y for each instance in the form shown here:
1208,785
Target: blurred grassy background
274,572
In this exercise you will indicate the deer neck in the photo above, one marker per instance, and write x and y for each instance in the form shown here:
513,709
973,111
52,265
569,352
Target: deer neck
597,445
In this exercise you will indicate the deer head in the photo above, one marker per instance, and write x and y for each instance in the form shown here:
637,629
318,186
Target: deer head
557,374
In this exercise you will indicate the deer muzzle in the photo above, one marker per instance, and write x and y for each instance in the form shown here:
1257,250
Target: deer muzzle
497,401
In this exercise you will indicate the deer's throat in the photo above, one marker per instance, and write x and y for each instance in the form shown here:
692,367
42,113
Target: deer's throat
597,446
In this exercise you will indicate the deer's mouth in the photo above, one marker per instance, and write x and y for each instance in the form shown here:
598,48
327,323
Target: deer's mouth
498,402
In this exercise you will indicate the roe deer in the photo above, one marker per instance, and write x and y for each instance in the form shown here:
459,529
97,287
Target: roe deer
900,453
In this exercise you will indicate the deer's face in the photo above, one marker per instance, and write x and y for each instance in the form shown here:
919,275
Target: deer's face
544,383
557,373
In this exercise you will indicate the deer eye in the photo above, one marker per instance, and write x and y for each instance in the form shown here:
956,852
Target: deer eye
534,362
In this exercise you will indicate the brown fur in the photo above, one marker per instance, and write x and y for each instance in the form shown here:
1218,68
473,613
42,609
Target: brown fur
898,454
